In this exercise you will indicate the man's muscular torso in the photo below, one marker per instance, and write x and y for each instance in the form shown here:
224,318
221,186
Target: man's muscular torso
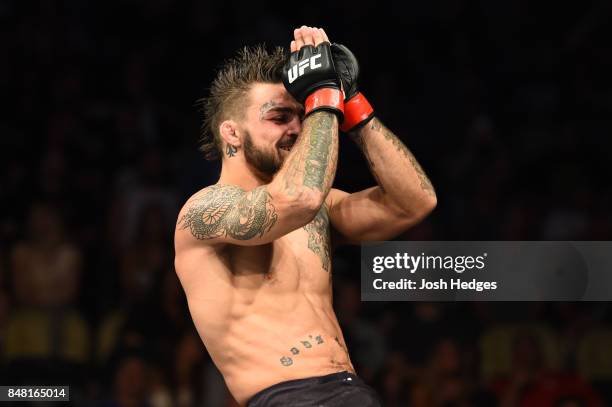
265,311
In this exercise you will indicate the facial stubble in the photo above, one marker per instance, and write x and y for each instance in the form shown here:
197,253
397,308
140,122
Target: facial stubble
265,162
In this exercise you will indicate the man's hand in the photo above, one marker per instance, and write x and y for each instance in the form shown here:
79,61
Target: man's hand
309,74
357,109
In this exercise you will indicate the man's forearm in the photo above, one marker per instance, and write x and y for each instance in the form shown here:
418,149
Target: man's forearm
313,158
394,167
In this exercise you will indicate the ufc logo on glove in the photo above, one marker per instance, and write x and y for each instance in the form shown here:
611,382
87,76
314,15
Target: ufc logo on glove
298,70
310,77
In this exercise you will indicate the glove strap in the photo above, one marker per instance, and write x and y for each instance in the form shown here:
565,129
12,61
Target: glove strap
330,99
357,112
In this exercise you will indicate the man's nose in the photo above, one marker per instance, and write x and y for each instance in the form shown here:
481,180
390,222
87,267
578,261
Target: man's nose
295,126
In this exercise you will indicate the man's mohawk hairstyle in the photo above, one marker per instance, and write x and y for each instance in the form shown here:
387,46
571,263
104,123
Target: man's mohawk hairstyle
227,94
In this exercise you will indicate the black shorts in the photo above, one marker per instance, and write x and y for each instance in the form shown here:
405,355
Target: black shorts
334,390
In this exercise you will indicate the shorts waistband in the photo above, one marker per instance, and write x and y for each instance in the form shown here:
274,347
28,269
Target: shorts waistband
297,384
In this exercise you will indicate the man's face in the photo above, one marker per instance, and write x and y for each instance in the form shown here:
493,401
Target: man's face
271,126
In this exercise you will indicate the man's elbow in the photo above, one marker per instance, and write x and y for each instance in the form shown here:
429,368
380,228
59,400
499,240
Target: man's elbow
419,210
310,201
429,204
302,203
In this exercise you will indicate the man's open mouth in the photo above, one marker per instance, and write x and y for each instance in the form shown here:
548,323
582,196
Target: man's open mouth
287,144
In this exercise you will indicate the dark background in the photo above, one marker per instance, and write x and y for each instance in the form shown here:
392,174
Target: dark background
506,104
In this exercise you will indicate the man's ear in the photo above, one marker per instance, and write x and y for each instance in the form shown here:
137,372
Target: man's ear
229,133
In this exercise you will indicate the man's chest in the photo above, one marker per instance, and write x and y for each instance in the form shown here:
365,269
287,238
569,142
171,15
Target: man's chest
300,257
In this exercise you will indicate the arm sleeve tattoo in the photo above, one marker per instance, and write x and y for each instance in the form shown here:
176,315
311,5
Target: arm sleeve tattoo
377,126
318,154
313,163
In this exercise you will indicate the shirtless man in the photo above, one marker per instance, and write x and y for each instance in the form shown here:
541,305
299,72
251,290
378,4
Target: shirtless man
253,251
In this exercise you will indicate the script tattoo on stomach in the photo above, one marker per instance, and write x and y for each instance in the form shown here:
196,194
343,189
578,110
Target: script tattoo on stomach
304,345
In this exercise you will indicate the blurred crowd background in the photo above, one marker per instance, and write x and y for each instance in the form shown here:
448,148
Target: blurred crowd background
507,105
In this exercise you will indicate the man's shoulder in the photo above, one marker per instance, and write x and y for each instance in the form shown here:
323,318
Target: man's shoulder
216,195
215,191
202,214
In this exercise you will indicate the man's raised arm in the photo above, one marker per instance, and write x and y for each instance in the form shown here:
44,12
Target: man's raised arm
404,194
228,214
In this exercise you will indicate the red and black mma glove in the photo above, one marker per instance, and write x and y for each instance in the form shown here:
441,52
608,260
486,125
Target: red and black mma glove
310,77
357,109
